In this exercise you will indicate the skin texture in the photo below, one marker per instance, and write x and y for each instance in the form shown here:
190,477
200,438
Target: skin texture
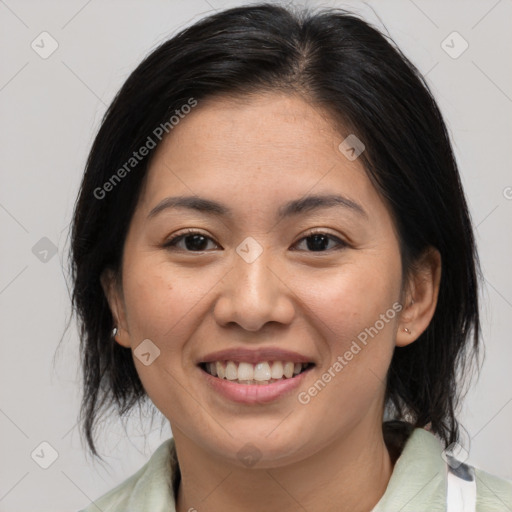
253,156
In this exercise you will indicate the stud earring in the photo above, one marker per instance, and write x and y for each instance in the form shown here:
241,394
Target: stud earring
407,330
114,332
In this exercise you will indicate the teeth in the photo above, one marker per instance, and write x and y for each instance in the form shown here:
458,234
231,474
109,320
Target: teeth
277,370
245,371
288,369
212,369
264,372
231,371
221,370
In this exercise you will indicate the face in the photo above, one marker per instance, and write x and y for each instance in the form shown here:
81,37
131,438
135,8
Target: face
256,276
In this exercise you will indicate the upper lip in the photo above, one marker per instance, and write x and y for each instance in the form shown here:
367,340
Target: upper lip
255,356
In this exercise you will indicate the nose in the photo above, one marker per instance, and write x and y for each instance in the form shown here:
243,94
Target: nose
254,294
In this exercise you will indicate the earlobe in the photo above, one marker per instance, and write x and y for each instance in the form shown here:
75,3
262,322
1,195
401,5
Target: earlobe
112,293
405,334
424,291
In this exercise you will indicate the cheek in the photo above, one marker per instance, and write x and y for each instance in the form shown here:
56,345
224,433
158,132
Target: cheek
163,305
355,311
156,297
167,303
352,297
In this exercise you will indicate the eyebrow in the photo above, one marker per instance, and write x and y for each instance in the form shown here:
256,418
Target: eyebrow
291,208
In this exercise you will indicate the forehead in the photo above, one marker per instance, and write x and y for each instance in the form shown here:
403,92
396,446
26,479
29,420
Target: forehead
253,151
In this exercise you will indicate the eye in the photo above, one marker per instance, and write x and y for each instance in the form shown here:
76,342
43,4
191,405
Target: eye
194,241
318,242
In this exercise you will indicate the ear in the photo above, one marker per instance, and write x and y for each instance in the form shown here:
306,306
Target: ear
113,293
421,299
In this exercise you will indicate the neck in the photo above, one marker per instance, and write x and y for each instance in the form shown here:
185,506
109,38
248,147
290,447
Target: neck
348,474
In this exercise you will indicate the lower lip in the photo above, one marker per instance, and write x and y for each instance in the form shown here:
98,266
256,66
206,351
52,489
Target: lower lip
254,393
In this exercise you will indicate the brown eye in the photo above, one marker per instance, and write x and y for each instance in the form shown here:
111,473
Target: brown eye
319,242
193,241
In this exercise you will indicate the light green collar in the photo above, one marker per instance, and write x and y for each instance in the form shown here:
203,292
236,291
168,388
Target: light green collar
418,482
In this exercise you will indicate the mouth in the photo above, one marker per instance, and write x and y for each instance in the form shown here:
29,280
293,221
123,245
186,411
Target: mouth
259,373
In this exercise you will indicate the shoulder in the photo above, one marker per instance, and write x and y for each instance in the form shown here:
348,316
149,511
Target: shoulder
150,486
419,481
493,494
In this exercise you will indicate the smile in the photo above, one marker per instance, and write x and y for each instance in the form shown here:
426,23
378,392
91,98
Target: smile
264,372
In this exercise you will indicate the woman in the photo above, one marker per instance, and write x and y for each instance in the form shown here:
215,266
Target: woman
272,243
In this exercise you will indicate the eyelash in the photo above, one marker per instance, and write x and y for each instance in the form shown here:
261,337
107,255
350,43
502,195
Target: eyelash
171,243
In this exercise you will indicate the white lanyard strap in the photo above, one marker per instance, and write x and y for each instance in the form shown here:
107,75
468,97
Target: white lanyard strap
461,495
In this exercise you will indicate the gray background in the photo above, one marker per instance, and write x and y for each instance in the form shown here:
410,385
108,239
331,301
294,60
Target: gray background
50,110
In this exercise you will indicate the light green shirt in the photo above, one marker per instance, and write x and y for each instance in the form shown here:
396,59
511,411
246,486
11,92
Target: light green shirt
418,483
